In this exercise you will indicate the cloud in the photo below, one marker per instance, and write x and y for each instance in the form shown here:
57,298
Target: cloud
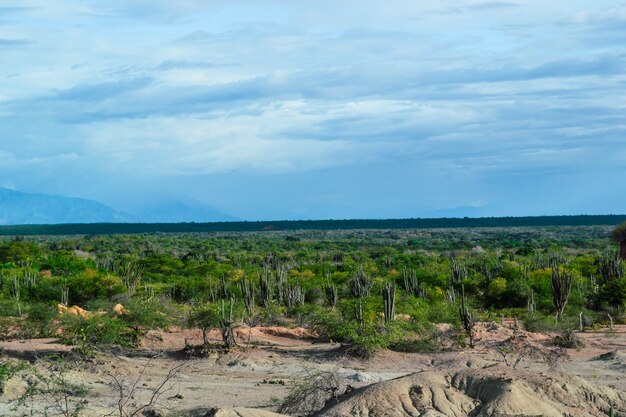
101,91
350,99
480,7
14,42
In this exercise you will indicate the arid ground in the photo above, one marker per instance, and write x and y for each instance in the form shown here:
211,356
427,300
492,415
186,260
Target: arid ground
269,361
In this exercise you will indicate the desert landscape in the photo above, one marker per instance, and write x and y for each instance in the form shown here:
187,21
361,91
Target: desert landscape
266,208
256,378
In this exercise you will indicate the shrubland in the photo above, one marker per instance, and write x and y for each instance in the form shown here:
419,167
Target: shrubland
368,289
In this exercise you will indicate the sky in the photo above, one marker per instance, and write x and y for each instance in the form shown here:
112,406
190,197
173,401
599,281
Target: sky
292,109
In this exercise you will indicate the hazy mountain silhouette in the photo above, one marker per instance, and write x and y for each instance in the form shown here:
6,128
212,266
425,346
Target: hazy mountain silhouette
28,208
25,208
176,210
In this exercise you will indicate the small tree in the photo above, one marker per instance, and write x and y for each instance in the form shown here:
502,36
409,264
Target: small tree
619,236
133,396
50,391
204,318
312,392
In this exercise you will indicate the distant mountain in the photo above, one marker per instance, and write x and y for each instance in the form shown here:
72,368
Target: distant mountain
457,212
25,208
177,210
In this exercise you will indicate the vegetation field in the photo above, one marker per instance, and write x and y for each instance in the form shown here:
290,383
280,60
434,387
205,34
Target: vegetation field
362,294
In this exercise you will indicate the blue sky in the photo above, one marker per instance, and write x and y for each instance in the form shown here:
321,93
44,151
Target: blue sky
300,109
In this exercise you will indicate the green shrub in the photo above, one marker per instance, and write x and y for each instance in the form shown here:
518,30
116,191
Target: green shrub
39,319
157,314
95,331
91,284
8,369
567,339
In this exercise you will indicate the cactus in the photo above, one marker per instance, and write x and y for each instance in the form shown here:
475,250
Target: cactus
293,295
282,286
550,260
212,293
389,302
266,286
130,273
458,272
610,266
466,318
224,293
361,284
561,287
247,293
332,295
489,270
226,326
451,295
531,306
359,314
412,284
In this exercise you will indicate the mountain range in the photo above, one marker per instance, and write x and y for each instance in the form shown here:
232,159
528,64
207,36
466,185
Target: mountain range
29,208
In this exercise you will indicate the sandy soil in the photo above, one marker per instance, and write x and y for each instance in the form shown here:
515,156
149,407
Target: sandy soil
259,373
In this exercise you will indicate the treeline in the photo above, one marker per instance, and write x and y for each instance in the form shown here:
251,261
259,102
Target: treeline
290,225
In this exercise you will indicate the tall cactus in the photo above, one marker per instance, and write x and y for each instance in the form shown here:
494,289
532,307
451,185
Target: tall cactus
412,284
361,284
293,295
224,292
458,273
389,302
489,270
331,294
359,314
130,273
561,287
247,293
282,286
265,286
226,326
610,266
531,306
467,320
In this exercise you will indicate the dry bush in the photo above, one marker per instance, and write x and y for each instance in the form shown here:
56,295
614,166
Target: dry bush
312,392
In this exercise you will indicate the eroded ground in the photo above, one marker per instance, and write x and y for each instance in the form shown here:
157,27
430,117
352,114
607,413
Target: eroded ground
269,360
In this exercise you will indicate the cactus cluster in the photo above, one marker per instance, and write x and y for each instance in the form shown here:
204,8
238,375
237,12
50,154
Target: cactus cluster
412,284
361,284
389,302
610,266
561,283
332,295
467,320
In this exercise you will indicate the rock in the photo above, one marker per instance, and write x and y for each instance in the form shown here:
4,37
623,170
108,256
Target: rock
479,392
363,377
240,412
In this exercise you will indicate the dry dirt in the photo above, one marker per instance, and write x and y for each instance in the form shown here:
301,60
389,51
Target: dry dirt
260,372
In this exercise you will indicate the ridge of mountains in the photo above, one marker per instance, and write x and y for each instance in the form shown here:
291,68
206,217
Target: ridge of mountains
32,208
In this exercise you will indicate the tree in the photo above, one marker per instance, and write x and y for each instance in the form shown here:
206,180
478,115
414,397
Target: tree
619,236
614,293
205,318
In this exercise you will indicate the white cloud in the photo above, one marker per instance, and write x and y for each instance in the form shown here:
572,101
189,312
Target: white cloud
140,90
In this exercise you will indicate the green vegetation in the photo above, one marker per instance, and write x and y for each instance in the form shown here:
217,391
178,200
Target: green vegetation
292,225
368,289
